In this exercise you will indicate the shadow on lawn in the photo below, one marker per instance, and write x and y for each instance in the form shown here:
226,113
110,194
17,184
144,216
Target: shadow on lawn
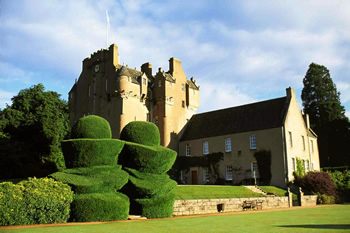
321,226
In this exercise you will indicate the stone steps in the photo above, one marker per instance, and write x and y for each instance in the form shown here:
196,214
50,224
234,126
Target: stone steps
257,189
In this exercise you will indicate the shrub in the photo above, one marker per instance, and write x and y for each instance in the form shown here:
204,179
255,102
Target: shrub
300,171
145,133
99,207
91,152
91,126
325,199
93,179
317,182
34,201
342,182
147,159
157,207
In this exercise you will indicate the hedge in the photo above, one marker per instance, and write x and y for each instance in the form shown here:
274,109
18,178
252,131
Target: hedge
91,152
149,185
145,133
96,179
147,159
99,207
92,126
157,207
34,201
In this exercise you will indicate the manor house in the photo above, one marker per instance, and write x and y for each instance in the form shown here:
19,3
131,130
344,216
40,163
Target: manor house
121,94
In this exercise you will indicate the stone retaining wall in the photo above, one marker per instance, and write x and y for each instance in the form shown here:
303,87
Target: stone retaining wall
206,206
309,200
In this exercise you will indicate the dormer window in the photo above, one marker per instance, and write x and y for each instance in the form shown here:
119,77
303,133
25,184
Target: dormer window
159,83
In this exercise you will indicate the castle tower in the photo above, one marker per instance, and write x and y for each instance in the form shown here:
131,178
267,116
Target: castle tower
121,95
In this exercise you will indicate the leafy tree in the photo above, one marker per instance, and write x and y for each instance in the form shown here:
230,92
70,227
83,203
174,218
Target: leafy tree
31,132
321,101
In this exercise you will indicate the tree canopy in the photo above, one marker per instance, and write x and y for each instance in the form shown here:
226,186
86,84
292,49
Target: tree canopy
31,132
321,101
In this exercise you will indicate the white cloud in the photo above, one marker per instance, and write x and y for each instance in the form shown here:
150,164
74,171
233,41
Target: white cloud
5,98
11,74
215,96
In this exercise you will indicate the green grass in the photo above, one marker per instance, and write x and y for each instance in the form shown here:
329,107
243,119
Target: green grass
186,192
277,191
320,219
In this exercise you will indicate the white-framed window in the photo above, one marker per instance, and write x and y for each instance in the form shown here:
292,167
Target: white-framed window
312,146
253,142
228,172
254,169
159,83
228,147
205,148
182,87
290,139
304,164
307,166
188,150
293,165
206,174
182,177
303,139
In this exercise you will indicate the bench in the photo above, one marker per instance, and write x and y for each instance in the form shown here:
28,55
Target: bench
252,205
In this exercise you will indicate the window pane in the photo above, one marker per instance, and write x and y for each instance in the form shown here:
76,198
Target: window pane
205,147
252,142
228,144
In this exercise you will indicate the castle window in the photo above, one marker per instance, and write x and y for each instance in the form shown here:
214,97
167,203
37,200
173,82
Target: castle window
156,121
144,81
312,146
293,165
182,87
188,150
228,145
89,89
106,84
303,139
253,142
183,103
228,172
205,148
159,83
206,174
290,139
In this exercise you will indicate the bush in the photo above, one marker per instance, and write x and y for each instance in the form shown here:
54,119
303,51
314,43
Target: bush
92,126
317,182
145,133
34,201
342,182
325,199
157,207
99,207
96,179
91,152
147,159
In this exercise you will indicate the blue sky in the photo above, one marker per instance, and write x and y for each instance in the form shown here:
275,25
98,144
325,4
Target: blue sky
238,51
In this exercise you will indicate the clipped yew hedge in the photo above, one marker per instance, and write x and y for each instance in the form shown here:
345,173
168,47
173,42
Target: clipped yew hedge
148,159
91,152
99,207
97,179
161,207
34,201
93,127
145,133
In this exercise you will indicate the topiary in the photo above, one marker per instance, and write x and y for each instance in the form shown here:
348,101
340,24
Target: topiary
91,127
145,133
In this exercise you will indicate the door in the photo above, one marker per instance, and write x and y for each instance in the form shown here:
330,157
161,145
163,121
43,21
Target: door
194,177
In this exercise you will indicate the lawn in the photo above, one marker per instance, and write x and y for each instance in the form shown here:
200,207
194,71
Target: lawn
277,191
319,219
186,192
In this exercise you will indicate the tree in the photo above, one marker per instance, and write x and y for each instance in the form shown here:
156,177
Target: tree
32,130
321,101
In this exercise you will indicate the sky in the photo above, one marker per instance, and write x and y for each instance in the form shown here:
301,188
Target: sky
238,51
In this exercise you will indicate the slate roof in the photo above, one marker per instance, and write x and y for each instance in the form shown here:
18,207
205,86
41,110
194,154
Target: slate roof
251,117
132,73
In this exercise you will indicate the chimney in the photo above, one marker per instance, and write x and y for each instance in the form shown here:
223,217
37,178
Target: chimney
113,50
290,93
174,65
147,69
307,121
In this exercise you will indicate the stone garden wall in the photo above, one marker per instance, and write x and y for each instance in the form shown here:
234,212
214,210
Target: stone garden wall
208,206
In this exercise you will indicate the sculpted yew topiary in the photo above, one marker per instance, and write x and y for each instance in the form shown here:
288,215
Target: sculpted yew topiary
150,189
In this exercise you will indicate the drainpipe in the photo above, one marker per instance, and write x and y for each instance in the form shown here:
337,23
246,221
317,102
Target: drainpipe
285,160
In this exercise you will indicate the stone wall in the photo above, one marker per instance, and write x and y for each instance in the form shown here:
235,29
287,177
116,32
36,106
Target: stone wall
309,200
206,206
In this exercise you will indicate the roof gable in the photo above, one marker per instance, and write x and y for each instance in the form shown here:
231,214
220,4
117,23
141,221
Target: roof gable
251,117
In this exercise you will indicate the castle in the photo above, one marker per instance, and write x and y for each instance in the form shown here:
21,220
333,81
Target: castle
121,94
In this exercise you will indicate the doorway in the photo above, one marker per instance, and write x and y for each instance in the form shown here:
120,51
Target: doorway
194,177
